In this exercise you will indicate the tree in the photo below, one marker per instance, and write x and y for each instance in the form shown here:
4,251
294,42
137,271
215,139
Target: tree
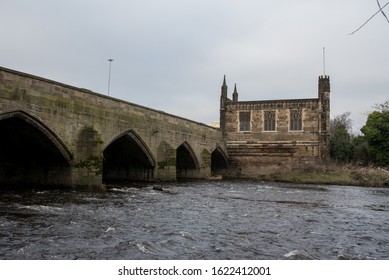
376,131
382,107
342,120
341,147
361,155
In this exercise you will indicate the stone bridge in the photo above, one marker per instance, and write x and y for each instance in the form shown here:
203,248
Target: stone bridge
58,135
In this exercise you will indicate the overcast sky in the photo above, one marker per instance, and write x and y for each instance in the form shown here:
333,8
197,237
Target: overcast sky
171,55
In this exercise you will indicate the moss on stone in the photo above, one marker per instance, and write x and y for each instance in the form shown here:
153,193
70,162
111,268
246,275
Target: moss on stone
167,163
93,164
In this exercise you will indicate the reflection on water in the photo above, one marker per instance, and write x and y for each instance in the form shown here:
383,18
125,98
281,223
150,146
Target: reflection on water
200,220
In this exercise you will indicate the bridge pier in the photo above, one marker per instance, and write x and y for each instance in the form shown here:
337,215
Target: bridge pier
82,177
166,173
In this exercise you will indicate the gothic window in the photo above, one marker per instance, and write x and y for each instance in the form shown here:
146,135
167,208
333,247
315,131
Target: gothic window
270,121
296,120
244,121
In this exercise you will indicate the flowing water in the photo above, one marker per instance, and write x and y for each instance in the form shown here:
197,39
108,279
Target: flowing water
197,220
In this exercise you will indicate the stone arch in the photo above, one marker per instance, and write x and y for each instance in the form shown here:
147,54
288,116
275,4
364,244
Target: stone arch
31,153
187,164
219,161
127,158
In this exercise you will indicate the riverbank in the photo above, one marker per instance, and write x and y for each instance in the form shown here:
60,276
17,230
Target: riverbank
336,175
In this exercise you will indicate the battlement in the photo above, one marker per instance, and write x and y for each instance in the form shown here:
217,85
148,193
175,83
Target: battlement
324,84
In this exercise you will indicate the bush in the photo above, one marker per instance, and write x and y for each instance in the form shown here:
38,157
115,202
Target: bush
376,131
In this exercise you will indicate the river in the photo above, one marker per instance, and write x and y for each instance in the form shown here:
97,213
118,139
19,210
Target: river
196,220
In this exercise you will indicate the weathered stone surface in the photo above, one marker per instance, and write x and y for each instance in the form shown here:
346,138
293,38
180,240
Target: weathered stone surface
256,151
84,124
86,138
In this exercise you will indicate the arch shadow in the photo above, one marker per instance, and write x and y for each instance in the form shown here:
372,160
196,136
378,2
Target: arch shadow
219,162
187,164
31,153
127,158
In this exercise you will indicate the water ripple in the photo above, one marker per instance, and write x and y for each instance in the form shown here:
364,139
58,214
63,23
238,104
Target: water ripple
200,220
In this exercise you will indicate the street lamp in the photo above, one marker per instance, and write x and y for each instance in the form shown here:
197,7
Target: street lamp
109,74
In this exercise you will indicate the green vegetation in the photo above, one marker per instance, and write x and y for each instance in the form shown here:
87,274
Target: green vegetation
376,131
370,148
341,145
337,175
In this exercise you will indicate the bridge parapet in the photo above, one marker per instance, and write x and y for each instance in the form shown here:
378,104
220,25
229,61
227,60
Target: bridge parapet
73,136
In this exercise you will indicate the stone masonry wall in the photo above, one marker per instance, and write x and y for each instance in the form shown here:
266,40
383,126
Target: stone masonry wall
85,123
256,151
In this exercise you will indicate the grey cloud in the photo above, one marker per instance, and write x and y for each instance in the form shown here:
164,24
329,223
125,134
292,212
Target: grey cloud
171,55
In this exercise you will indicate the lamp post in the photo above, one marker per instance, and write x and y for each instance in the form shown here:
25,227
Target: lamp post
109,74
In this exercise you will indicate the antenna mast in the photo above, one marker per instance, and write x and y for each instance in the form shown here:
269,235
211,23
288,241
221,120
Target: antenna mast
324,61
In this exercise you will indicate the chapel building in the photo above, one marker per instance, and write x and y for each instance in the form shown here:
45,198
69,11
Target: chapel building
266,137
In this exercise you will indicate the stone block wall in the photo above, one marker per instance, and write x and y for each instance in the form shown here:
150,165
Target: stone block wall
83,124
298,138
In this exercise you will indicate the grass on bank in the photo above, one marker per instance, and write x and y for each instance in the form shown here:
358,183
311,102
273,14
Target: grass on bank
337,175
